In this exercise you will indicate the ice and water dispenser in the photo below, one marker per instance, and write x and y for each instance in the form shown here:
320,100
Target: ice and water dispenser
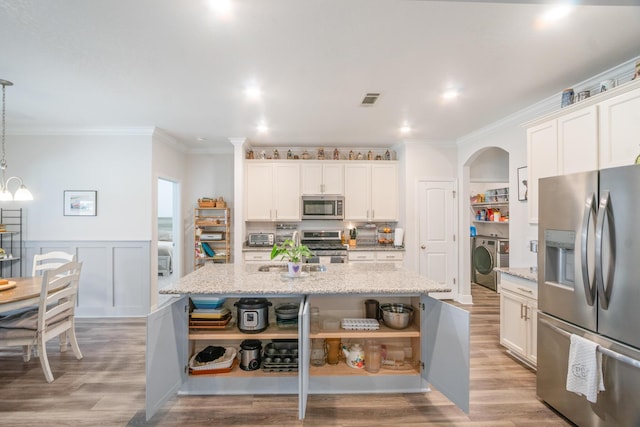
559,257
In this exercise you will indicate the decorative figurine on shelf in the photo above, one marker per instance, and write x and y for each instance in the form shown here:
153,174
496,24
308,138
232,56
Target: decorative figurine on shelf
263,155
305,155
336,154
378,157
370,155
250,154
320,153
276,155
289,155
351,155
360,156
387,155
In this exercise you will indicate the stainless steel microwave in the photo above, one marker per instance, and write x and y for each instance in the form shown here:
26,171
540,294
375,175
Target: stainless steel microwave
323,207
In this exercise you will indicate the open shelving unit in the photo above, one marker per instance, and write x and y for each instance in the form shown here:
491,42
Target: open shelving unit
11,241
212,227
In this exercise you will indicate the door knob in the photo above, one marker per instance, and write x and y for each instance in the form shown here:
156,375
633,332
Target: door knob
423,247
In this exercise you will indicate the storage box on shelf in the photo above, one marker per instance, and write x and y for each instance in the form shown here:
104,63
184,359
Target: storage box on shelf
212,227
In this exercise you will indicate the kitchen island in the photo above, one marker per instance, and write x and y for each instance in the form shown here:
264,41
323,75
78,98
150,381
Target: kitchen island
436,343
338,279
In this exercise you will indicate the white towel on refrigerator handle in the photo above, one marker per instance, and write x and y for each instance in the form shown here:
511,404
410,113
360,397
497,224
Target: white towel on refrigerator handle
584,374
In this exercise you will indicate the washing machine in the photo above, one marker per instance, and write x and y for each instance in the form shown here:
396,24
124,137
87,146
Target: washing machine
489,253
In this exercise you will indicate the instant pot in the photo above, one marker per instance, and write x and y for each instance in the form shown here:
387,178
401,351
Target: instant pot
252,314
250,355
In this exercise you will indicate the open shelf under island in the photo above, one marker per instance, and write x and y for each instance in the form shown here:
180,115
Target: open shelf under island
438,335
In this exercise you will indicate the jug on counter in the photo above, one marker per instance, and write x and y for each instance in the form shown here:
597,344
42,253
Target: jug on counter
354,356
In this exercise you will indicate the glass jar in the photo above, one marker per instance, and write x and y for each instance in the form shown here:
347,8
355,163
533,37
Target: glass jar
318,352
372,356
315,320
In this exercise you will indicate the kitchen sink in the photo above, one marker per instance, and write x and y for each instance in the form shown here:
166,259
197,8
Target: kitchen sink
309,268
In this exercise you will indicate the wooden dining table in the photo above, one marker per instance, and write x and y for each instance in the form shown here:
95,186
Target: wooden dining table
26,293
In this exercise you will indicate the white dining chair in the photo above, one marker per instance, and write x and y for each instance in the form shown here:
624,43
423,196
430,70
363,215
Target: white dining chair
50,260
54,316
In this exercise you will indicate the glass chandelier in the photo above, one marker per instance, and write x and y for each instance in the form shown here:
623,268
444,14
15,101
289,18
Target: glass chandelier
5,195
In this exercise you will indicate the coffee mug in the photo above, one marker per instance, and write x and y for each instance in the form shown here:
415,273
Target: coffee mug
605,85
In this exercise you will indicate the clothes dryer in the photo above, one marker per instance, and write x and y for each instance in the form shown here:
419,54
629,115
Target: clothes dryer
489,253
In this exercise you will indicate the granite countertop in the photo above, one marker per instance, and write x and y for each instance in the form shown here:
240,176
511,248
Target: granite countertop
522,272
345,279
246,248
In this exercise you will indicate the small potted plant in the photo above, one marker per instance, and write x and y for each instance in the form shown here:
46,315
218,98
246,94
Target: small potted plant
293,253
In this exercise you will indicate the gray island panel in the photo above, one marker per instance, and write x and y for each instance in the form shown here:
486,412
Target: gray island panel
339,279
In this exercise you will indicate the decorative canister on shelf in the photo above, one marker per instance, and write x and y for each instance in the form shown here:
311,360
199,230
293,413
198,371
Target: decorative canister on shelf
351,155
276,155
320,153
567,97
336,154
305,155
370,155
387,155
289,155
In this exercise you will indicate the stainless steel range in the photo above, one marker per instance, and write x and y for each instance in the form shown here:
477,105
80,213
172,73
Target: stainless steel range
326,245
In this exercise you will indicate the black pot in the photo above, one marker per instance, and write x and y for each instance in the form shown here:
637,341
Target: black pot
252,315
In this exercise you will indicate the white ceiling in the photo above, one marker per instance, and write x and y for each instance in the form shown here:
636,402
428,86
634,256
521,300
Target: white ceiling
174,64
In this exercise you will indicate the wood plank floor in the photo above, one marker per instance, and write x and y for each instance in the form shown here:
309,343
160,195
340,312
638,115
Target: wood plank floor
107,388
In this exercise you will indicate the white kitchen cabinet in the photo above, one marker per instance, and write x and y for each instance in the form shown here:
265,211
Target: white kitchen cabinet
371,191
542,147
561,146
439,339
396,257
322,178
518,317
257,257
619,130
273,191
578,141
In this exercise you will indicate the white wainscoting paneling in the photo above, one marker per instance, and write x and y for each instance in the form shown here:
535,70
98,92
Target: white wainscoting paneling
115,279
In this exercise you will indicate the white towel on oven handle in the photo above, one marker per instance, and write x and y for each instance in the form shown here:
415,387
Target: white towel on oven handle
584,374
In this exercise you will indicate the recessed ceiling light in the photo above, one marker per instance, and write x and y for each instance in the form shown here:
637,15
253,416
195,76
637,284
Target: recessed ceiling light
262,127
405,128
450,94
201,139
253,91
222,8
556,12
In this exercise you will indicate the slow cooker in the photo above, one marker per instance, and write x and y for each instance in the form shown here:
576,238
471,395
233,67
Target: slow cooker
252,314
250,355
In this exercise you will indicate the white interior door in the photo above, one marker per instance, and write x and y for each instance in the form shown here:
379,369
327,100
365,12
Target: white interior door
436,224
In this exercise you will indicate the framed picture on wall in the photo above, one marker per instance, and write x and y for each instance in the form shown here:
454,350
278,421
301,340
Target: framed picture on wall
80,203
522,183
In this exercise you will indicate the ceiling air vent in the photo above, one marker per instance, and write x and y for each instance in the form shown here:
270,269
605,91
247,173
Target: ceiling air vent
370,99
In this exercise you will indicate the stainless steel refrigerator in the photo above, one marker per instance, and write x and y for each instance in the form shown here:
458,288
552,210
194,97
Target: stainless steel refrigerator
589,285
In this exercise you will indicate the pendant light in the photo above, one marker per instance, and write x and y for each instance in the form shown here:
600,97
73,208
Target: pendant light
5,195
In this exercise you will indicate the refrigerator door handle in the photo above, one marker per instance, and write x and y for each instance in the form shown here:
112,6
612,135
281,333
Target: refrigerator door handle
589,212
604,213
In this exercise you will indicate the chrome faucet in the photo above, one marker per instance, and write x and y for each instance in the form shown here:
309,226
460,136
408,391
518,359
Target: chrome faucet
296,237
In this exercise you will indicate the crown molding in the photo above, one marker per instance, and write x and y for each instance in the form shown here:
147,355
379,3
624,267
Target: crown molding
73,131
550,105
